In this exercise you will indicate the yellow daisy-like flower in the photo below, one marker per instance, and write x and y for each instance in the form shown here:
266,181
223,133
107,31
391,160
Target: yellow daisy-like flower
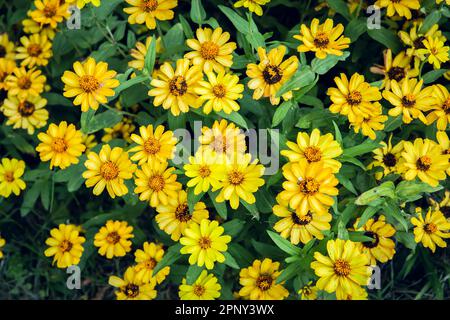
50,12
424,159
431,230
381,248
140,51
223,138
315,148
271,73
353,98
308,187
2,244
65,245
109,168
300,227
204,243
435,50
112,239
121,130
414,39
371,122
441,111
212,51
7,50
206,170
175,89
205,287
410,99
259,281
252,5
28,114
323,39
36,50
344,270
401,7
133,288
24,83
146,260
156,183
387,157
81,3
148,11
153,145
220,92
31,27
61,144
308,292
90,84
397,68
444,144
242,179
6,68
174,217
11,171
89,141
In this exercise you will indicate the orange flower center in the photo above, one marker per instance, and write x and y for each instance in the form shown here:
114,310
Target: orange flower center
423,163
89,83
272,74
219,91
150,263
430,228
34,50
308,186
26,108
65,246
109,170
408,100
131,290
152,146
24,83
59,145
149,5
313,154
264,282
236,177
182,213
204,171
113,237
178,86
342,268
321,40
50,11
9,176
204,243
302,220
156,182
354,98
209,50
198,290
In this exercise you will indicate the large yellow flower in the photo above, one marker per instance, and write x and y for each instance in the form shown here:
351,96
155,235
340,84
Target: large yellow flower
148,11
11,171
242,179
387,157
252,5
308,187
147,259
90,84
133,288
50,12
6,68
65,245
156,183
153,145
212,51
323,39
112,239
344,270
271,73
401,7
315,148
431,230
28,114
7,50
24,83
175,89
205,287
259,281
205,243
441,110
108,169
175,217
435,50
61,144
36,50
424,159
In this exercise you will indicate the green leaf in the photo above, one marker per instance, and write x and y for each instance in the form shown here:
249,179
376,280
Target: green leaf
303,77
337,133
129,83
433,75
407,239
365,147
430,20
193,273
234,117
30,198
220,207
230,261
340,7
368,213
192,198
391,209
171,256
186,27
356,28
150,57
359,236
409,189
198,13
281,112
284,244
292,270
233,227
251,208
346,183
387,38
107,119
239,23
386,189
322,66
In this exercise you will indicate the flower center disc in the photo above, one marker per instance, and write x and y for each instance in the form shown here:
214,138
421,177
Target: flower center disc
204,243
424,163
89,83
178,86
109,170
209,50
313,154
59,145
341,268
264,282
156,183
113,237
182,213
354,98
308,186
149,5
152,146
321,40
34,50
26,108
272,74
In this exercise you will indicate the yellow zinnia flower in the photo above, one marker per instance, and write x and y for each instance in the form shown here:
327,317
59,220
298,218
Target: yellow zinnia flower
308,187
28,114
344,270
6,68
132,288
205,243
441,111
387,157
174,217
7,50
24,83
2,244
252,5
205,287
89,141
259,281
401,7
35,50
50,12
156,183
148,11
65,245
112,239
431,230
11,171
308,292
444,144
90,84
61,144
212,51
371,122
147,259
175,89
153,145
109,168
271,73
323,39
436,51
414,39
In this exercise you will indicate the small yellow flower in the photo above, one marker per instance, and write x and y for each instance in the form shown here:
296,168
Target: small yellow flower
436,51
148,11
140,51
6,68
204,288
401,7
414,39
11,171
110,169
2,244
24,83
7,50
252,5
371,122
112,239
387,157
89,141
31,27
133,288
259,281
50,12
61,144
147,259
308,292
121,130
431,230
441,111
205,243
36,50
65,245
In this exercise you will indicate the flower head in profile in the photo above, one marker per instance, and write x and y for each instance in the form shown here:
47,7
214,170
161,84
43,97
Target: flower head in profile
401,8
61,144
147,259
431,229
205,287
267,77
132,287
436,51
28,114
387,157
65,245
112,239
36,50
50,12
441,110
150,11
11,172
252,5
24,83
